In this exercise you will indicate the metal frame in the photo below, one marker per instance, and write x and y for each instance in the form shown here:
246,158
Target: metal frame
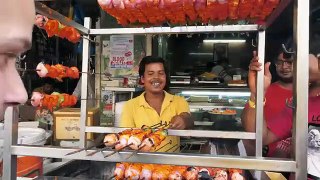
298,165
186,133
267,164
301,84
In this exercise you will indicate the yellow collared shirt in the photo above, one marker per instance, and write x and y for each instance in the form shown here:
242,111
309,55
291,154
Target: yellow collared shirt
137,112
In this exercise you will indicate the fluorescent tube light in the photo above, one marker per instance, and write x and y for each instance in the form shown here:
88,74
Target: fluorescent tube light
217,93
224,41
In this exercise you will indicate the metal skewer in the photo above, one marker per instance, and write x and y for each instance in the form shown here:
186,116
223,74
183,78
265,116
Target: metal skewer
136,151
79,150
105,148
115,151
95,152
170,142
171,148
111,177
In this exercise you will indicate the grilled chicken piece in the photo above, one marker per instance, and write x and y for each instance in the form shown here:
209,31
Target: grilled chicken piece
220,174
191,173
177,173
136,139
110,139
146,171
120,170
133,172
161,172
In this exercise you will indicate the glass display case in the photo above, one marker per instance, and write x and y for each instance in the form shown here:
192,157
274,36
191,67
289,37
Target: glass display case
216,109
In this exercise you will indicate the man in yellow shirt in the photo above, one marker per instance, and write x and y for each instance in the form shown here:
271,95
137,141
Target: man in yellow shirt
155,104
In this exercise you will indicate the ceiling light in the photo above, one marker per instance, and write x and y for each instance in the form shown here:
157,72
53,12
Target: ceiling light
224,41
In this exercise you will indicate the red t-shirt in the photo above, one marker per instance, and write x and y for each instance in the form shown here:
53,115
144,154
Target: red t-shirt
275,103
283,130
275,100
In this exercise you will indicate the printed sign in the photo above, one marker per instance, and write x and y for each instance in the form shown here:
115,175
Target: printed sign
121,52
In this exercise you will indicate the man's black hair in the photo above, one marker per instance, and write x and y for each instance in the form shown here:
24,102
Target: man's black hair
148,60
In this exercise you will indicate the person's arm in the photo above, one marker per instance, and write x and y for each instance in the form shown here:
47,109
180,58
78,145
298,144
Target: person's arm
248,117
183,120
126,118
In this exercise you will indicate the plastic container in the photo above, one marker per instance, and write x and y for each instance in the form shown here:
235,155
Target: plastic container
27,166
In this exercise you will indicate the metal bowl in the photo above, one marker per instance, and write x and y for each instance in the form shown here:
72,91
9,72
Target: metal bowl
221,117
197,115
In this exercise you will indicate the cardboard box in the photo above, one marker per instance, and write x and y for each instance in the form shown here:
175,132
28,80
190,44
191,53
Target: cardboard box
66,123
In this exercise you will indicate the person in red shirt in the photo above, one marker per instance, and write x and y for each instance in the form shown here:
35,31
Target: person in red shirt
280,126
275,97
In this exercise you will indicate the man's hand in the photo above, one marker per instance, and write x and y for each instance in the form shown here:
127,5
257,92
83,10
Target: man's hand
181,121
254,67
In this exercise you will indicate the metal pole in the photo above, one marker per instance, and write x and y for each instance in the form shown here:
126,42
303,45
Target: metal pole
98,66
148,45
11,132
301,82
84,85
260,94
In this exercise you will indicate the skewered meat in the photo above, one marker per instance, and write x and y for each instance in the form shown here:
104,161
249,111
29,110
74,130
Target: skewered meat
161,172
191,173
154,140
55,28
57,71
120,170
235,174
133,171
136,139
124,137
53,101
220,174
205,173
177,172
110,139
146,171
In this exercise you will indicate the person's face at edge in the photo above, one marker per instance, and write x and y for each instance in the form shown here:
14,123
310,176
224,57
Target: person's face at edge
154,78
284,69
16,23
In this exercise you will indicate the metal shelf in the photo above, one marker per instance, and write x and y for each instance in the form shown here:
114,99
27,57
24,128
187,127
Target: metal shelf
185,133
176,30
122,89
266,164
212,105
203,123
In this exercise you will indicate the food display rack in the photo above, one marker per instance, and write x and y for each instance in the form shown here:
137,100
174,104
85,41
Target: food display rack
298,164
